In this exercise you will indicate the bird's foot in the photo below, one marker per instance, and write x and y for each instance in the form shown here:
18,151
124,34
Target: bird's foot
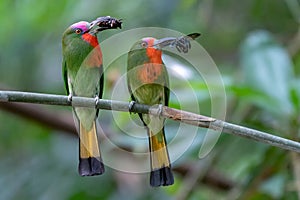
130,106
70,97
96,101
159,110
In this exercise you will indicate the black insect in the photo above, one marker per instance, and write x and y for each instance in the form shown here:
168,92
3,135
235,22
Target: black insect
182,44
106,22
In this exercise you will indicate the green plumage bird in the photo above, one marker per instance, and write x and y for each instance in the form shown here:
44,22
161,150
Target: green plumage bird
83,76
148,84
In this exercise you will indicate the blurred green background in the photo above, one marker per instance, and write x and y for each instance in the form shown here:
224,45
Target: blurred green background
254,43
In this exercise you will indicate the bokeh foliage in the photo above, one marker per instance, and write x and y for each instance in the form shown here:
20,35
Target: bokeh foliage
254,44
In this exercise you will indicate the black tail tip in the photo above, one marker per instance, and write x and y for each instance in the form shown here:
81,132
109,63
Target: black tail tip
90,166
161,177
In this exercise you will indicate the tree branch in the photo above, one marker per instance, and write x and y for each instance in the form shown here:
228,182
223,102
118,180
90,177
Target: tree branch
163,111
38,114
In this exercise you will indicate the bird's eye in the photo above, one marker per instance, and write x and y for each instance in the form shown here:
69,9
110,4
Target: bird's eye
144,44
78,31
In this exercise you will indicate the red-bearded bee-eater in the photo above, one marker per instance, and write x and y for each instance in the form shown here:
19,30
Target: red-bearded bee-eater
148,83
83,76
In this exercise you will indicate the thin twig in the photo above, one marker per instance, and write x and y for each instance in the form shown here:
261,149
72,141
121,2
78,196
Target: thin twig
166,112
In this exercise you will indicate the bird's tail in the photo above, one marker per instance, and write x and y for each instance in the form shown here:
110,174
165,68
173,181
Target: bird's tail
161,173
90,161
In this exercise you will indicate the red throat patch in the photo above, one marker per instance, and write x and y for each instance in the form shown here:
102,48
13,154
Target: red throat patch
91,39
94,59
151,70
153,54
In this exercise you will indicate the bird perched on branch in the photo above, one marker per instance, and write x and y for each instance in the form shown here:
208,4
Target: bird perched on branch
83,76
148,83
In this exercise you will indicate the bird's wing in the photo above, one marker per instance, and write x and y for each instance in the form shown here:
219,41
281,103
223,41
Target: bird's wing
166,87
65,75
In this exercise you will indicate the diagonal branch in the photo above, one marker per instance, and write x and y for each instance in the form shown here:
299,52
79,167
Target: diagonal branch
166,112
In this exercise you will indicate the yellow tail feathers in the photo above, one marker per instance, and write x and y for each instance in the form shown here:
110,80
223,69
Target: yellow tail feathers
88,142
90,162
159,152
161,173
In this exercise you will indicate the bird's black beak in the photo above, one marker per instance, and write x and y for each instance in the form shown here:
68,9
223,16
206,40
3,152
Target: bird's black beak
182,43
104,23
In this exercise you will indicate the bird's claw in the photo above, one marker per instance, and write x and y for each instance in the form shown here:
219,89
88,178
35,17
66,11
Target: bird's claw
159,109
96,101
70,97
130,106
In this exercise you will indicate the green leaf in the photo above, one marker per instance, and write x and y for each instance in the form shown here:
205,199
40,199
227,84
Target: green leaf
267,69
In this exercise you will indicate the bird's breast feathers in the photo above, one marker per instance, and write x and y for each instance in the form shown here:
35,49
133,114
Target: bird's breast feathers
94,58
149,72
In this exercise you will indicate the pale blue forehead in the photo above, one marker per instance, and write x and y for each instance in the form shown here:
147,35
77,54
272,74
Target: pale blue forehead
83,25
